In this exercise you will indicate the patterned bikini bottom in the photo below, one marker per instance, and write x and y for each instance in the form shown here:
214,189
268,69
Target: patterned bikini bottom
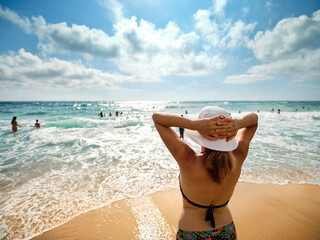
226,232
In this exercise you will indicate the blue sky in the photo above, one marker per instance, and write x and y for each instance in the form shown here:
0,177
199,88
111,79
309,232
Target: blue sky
159,50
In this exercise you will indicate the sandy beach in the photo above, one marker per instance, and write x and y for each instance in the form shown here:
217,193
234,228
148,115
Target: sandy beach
260,211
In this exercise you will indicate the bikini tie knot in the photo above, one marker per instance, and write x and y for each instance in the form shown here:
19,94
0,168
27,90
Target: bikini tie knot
210,216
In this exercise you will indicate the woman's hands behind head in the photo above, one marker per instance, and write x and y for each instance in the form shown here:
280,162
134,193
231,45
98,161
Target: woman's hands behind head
232,128
218,127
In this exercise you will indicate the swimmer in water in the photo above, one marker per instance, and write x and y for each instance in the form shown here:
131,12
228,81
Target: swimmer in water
15,124
181,131
37,124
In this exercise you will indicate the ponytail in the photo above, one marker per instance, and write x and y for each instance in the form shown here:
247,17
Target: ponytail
219,164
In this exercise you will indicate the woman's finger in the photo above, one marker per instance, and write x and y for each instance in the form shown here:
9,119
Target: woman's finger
210,137
224,129
219,117
230,138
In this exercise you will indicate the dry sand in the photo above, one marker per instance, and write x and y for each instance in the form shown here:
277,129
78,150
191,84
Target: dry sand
260,211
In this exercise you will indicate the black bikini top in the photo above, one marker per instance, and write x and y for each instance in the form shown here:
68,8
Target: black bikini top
210,212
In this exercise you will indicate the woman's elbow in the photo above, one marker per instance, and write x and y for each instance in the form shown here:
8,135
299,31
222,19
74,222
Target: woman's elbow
155,116
256,118
252,119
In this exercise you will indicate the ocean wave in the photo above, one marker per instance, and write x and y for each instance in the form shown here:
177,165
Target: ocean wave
35,114
173,106
78,161
66,125
130,124
4,111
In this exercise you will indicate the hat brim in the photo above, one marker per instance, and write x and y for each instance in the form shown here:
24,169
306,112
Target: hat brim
219,145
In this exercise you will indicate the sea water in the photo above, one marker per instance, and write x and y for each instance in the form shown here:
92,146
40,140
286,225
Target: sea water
79,161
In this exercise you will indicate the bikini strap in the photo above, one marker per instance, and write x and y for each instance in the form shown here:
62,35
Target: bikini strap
210,212
189,201
196,204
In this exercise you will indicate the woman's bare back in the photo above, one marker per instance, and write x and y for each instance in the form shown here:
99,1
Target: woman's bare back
199,187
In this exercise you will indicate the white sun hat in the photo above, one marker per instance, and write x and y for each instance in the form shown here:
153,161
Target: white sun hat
220,144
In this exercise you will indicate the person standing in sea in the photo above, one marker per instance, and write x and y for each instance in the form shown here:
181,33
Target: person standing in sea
37,124
15,124
207,180
181,131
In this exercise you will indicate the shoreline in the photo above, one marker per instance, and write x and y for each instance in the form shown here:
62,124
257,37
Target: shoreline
78,162
260,211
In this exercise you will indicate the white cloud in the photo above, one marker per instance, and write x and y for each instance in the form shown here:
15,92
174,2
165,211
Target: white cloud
114,7
138,49
207,27
290,37
150,52
222,35
79,39
300,69
62,38
291,50
218,6
306,85
12,16
268,5
249,77
26,69
237,35
245,10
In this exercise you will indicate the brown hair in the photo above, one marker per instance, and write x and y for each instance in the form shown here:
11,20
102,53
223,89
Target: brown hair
219,164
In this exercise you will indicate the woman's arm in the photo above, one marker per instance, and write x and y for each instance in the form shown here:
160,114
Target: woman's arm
177,147
244,129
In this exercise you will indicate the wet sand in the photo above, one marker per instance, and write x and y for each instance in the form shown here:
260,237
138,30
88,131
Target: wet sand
260,211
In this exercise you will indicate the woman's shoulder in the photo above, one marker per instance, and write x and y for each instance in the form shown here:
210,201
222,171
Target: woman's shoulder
239,156
192,163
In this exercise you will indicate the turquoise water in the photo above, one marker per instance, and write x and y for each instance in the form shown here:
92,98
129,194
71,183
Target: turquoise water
78,161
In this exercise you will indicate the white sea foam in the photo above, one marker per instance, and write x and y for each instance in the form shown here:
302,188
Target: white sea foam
151,223
78,161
